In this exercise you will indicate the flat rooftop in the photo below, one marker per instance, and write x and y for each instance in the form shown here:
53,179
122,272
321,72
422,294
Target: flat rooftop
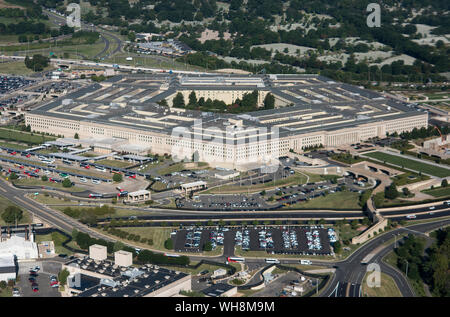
316,104
143,281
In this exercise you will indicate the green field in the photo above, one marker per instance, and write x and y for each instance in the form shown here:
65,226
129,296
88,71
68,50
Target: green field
438,192
387,288
17,68
4,202
39,182
57,239
413,165
340,200
152,61
25,137
158,235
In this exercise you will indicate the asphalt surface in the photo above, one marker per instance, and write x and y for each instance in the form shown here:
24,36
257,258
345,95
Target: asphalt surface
351,271
53,217
87,27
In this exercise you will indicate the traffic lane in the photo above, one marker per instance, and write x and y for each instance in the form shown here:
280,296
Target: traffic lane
355,290
55,218
254,215
426,215
351,263
438,206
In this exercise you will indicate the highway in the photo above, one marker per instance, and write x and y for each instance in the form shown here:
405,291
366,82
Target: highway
50,216
350,272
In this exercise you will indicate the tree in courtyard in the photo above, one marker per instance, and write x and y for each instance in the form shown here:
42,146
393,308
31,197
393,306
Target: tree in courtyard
192,99
76,136
269,101
178,101
444,183
163,103
391,191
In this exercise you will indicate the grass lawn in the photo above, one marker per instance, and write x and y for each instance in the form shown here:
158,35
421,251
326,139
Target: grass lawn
151,61
438,192
25,137
409,178
157,234
346,232
7,292
170,169
39,182
114,163
388,288
57,239
414,165
339,200
48,200
159,186
14,146
17,68
4,203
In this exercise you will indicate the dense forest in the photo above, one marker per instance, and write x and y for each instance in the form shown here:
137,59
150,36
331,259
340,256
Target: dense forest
258,22
428,265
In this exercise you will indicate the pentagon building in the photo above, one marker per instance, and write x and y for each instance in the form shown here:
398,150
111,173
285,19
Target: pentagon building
309,110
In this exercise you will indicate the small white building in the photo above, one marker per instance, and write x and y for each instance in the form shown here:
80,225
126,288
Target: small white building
22,248
219,272
7,268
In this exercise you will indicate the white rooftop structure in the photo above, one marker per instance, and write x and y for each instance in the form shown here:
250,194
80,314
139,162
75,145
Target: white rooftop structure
20,247
7,268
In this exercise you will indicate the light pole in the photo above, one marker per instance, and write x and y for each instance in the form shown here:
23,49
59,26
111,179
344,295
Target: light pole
406,268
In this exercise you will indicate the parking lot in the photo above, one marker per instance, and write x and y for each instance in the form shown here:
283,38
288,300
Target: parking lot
302,240
11,83
284,196
193,240
29,165
224,202
41,278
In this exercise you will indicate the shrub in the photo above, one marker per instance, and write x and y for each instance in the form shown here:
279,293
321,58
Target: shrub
168,244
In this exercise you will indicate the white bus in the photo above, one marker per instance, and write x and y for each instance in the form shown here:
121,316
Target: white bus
272,261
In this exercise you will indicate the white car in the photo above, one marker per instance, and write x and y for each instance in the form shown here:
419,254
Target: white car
95,181
83,180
